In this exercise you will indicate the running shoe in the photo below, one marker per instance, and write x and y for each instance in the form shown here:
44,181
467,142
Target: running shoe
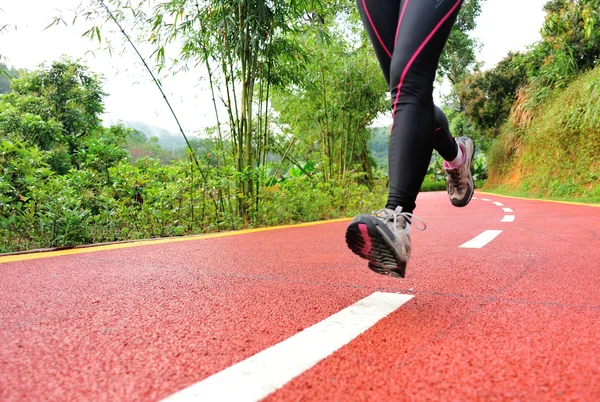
383,239
459,181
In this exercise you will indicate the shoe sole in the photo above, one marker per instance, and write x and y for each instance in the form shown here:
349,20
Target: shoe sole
369,241
462,203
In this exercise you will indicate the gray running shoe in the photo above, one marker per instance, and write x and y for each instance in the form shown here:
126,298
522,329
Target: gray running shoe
459,181
383,239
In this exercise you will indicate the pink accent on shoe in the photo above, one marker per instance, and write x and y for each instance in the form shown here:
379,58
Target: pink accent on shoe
364,231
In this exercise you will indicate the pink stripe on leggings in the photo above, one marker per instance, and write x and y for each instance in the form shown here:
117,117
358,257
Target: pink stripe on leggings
375,29
419,50
400,22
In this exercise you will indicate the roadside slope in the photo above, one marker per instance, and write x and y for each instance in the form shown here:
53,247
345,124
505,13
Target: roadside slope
554,152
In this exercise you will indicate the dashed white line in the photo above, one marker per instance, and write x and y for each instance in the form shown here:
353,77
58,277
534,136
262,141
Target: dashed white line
507,210
485,199
482,239
508,218
499,204
474,198
258,376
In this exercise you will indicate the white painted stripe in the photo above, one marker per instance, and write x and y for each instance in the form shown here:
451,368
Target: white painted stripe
485,199
474,198
507,210
258,376
498,204
508,218
482,239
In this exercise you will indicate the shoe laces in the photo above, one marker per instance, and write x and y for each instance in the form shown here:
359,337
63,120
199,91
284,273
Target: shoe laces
454,177
390,215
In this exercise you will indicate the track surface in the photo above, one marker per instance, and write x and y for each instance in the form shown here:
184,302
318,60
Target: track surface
518,319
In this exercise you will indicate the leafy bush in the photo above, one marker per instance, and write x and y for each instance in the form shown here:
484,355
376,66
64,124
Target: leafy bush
480,170
151,200
433,186
302,198
488,96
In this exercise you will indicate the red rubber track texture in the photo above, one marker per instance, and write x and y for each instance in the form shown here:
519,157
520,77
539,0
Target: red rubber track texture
516,320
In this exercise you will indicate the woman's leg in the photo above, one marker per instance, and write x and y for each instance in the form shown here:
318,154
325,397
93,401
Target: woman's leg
418,37
385,22
443,141
421,38
380,18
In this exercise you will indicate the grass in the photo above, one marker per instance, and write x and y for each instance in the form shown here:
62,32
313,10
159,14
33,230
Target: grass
502,190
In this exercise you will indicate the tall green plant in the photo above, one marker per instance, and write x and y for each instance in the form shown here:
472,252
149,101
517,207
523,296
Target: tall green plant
238,43
337,96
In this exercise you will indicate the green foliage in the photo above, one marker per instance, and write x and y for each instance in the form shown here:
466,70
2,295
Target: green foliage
7,74
459,56
299,88
461,126
244,46
379,145
572,26
299,199
21,166
488,96
113,193
65,92
430,185
104,151
520,83
334,101
18,120
549,145
139,147
55,108
151,200
480,167
558,154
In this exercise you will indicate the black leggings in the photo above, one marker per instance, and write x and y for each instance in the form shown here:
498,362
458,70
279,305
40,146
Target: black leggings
408,37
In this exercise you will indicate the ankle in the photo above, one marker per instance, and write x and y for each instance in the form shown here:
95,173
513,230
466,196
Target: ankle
459,160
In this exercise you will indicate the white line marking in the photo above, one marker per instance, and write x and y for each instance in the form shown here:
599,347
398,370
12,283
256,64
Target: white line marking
499,204
474,198
507,210
508,218
485,199
482,239
258,376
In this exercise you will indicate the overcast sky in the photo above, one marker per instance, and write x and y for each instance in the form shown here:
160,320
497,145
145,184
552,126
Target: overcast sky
504,25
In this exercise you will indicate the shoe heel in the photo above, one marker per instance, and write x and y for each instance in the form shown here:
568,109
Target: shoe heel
358,240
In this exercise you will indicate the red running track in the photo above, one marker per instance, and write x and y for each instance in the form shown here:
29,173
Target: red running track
518,319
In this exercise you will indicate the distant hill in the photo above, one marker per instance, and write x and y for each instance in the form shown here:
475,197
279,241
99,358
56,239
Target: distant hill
6,74
166,139
380,137
380,140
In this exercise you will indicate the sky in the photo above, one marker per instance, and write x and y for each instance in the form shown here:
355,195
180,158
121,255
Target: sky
504,25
